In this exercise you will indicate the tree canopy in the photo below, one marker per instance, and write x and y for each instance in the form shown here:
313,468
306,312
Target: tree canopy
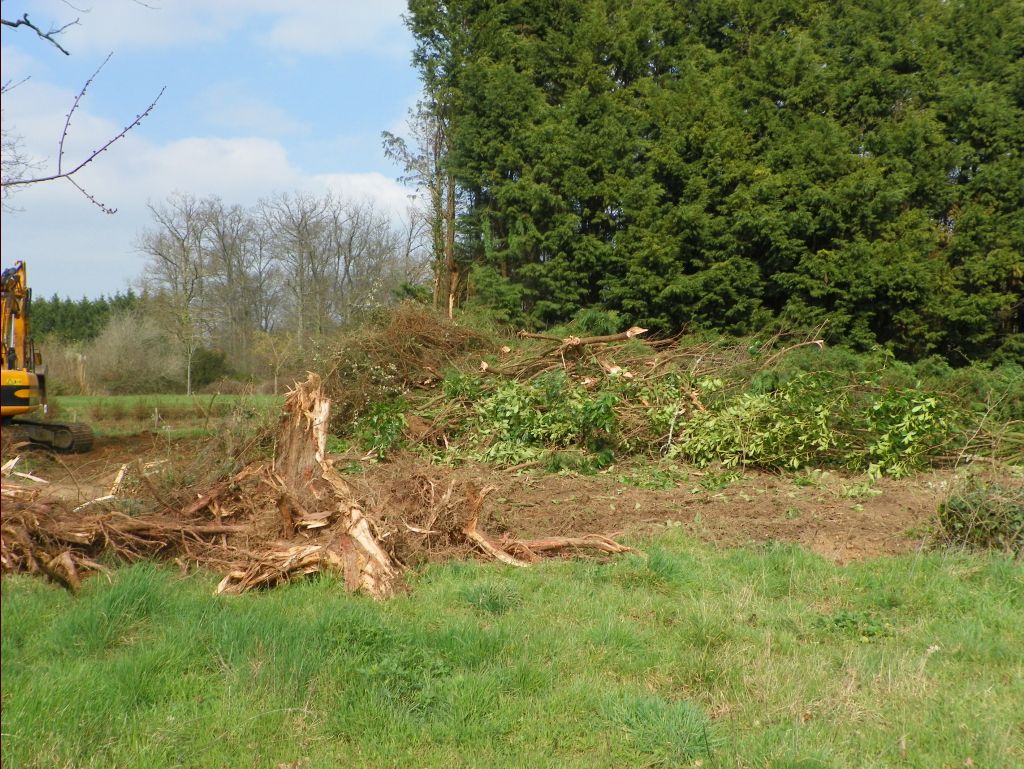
67,320
733,163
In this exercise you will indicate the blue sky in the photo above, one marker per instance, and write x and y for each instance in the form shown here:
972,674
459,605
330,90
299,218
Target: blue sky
262,96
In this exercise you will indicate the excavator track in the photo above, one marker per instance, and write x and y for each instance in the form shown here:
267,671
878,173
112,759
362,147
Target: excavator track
67,438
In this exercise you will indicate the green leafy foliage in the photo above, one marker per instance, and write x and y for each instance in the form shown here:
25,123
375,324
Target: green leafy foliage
597,322
701,401
381,428
812,420
515,420
907,426
790,427
415,292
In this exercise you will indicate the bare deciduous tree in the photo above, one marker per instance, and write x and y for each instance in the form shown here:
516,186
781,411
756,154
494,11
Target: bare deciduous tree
232,300
424,163
300,225
276,352
265,285
176,270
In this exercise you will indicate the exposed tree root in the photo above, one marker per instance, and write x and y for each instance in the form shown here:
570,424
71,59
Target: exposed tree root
268,523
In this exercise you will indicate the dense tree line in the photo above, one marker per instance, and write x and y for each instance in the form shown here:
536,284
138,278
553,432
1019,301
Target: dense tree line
735,163
82,320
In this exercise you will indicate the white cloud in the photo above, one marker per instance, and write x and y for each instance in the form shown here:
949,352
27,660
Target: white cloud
314,26
296,26
226,105
74,249
384,192
18,64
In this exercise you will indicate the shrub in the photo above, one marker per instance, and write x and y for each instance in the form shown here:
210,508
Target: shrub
132,355
986,515
65,367
381,428
208,366
414,292
596,322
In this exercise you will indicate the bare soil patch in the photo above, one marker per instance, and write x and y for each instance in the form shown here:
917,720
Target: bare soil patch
838,516
77,478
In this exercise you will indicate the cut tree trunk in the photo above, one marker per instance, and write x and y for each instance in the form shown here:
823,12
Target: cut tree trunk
311,484
302,438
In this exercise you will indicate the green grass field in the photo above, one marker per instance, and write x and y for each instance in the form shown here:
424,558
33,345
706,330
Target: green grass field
695,657
176,415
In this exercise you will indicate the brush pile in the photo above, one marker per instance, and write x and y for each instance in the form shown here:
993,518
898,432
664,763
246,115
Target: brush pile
409,348
270,522
583,402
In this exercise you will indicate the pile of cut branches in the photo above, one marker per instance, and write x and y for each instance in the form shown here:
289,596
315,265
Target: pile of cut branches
581,402
409,348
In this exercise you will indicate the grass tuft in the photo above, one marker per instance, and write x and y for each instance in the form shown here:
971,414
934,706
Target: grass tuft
754,657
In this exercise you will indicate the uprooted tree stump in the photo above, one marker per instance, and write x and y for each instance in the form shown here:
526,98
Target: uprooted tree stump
311,495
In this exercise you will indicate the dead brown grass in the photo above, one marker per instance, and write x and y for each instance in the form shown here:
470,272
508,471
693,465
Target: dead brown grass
408,347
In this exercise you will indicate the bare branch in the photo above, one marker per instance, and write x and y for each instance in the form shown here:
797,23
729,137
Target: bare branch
49,37
92,198
74,7
61,173
78,99
10,85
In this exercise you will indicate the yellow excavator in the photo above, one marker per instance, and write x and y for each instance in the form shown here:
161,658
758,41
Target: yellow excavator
24,375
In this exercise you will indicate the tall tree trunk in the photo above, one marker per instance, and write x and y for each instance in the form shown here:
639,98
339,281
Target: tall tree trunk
451,265
453,291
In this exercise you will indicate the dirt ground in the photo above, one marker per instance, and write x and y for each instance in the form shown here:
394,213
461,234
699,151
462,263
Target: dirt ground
755,508
81,477
840,517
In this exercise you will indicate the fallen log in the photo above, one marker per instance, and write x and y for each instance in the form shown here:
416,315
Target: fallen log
576,342
559,544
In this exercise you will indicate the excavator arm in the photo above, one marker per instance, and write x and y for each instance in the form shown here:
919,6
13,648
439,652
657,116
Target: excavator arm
23,386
